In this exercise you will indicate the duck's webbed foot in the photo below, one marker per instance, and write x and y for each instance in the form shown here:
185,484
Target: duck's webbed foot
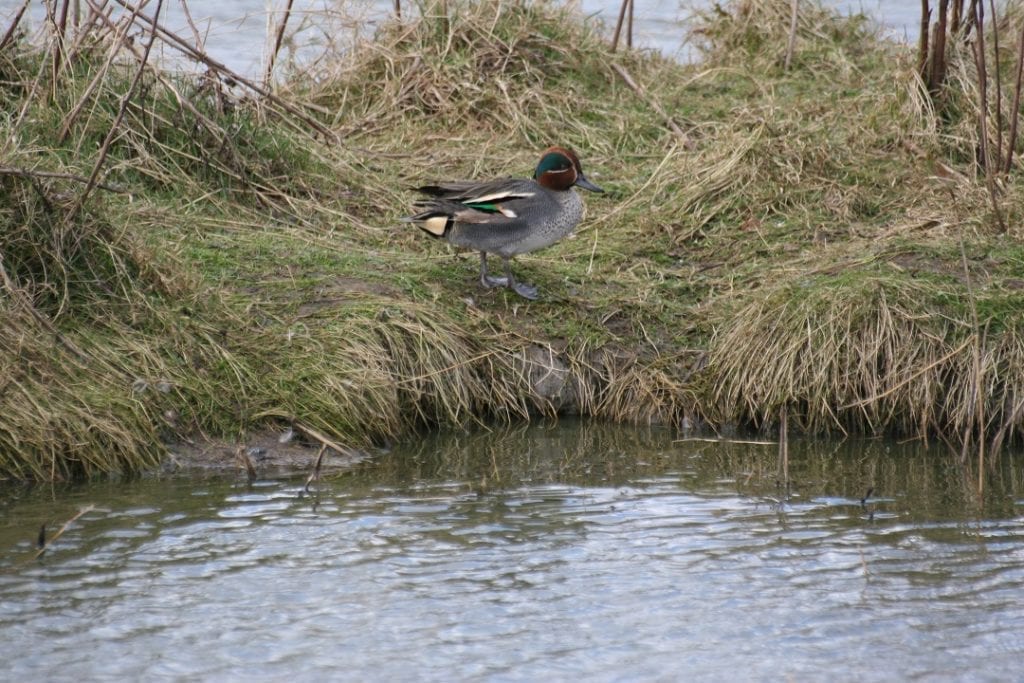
521,288
488,280
524,290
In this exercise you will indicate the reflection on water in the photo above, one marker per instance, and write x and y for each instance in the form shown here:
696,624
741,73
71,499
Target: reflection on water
580,550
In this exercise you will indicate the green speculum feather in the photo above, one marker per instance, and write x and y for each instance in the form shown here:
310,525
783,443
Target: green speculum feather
489,207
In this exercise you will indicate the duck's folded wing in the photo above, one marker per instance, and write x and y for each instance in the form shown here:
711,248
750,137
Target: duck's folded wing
463,213
439,215
481,194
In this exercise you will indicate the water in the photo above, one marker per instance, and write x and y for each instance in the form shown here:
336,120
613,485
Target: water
578,551
235,31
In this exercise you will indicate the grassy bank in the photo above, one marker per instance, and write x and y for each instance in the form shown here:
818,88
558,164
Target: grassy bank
816,241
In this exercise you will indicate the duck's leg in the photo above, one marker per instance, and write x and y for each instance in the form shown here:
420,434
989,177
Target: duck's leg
487,280
521,288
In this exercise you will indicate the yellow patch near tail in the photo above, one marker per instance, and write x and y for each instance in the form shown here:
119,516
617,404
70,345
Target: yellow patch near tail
435,225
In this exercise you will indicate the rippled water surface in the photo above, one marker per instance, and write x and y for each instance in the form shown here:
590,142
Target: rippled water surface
571,552
235,31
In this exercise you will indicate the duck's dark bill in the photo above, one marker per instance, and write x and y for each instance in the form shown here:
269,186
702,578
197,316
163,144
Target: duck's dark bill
587,185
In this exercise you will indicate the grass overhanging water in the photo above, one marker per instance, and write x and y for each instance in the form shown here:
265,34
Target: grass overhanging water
816,239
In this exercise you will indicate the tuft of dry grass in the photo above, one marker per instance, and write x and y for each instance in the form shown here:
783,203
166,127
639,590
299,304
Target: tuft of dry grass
757,33
507,68
869,352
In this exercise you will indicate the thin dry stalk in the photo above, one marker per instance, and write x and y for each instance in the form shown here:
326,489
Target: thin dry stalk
976,408
653,104
122,108
984,146
47,542
784,443
192,25
791,42
245,462
18,295
324,440
224,140
120,30
89,33
629,26
998,161
922,41
980,64
1015,109
315,474
278,39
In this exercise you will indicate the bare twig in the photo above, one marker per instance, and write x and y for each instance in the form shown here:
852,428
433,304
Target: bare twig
278,39
937,74
60,29
618,25
26,173
9,33
979,63
88,29
192,25
922,42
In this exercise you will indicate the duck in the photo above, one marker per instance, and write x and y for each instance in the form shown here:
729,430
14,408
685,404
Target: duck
507,216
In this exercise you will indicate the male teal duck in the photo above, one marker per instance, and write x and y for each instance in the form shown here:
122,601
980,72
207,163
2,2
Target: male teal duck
508,216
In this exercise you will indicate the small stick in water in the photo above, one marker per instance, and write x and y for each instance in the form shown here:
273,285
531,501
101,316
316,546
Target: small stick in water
245,461
44,544
864,500
315,474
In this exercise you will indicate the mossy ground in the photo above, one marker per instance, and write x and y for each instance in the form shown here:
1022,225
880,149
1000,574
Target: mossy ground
819,242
